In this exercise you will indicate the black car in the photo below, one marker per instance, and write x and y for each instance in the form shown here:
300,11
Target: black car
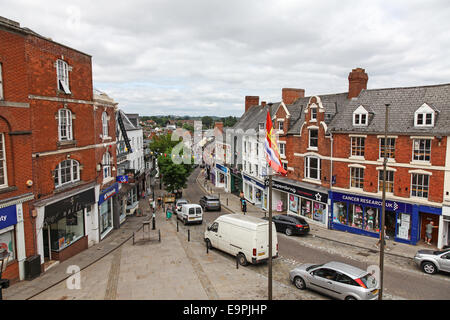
210,203
290,224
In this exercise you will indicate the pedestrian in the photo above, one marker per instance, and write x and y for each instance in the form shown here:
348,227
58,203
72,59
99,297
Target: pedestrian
169,212
379,240
153,205
244,206
143,195
429,231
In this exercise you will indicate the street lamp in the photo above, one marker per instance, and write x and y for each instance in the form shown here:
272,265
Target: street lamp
4,283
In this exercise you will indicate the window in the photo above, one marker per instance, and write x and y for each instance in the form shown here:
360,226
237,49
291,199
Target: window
389,181
313,114
3,176
7,242
419,185
65,125
325,273
312,168
285,166
357,177
256,170
62,72
344,279
106,162
280,125
67,171
357,146
105,124
424,117
67,230
1,82
360,117
313,138
261,126
422,149
388,147
282,147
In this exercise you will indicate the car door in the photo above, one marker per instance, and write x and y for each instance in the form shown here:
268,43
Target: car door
276,220
444,261
201,201
282,222
214,235
322,280
343,284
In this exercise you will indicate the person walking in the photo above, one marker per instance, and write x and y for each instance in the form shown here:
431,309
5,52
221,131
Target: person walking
429,232
379,240
244,206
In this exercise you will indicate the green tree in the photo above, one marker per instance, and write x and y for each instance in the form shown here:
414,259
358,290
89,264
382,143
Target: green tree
207,122
188,127
161,144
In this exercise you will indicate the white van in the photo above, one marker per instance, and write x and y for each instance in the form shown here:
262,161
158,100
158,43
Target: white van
191,213
242,236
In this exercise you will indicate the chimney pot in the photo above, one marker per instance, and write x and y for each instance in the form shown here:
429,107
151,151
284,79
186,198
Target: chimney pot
289,95
251,101
357,81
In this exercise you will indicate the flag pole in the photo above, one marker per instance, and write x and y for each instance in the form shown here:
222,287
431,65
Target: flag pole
270,234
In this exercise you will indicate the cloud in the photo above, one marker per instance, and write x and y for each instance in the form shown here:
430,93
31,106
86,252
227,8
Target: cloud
202,57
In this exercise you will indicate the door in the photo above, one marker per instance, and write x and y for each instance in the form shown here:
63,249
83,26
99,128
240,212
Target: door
343,285
390,224
323,280
426,218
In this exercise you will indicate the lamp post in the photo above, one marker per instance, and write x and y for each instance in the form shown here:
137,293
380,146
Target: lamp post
4,283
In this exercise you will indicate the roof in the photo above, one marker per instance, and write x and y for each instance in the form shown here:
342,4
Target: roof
403,104
255,115
127,123
249,221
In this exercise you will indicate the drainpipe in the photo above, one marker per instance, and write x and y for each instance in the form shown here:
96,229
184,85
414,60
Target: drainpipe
331,178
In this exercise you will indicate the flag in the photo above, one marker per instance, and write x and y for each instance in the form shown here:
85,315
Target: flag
271,148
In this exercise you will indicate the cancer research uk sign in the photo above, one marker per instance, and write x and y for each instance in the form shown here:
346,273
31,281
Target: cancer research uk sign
122,179
390,205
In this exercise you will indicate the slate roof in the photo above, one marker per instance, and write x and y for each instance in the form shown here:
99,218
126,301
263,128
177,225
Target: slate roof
254,116
403,104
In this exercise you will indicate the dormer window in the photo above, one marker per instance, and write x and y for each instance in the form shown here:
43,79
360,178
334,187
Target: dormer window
424,116
313,114
360,117
280,125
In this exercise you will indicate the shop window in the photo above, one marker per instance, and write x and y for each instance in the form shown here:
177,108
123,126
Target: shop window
106,215
419,185
3,176
371,220
389,181
293,203
358,146
422,149
7,242
404,226
67,230
319,212
258,196
357,177
340,212
306,208
355,216
387,148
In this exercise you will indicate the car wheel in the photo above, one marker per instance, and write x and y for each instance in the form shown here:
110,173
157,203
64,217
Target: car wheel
208,244
288,231
241,259
184,221
299,283
429,267
350,298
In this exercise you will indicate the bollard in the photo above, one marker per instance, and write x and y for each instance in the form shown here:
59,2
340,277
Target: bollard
177,224
189,235
227,201
133,238
237,262
159,235
207,249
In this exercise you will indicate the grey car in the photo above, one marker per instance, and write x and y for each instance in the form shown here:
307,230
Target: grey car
336,279
433,261
210,203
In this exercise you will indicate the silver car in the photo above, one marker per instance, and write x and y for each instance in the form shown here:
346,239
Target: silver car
335,279
179,204
433,261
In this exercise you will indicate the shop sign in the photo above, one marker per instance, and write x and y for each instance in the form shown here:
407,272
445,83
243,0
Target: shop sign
303,192
122,179
131,173
68,206
108,193
259,184
221,168
390,205
8,216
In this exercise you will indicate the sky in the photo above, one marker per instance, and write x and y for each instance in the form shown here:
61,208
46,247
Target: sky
202,57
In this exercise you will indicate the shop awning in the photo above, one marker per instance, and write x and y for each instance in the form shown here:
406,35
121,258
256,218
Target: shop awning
302,189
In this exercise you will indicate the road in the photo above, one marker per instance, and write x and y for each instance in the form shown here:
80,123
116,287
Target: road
402,279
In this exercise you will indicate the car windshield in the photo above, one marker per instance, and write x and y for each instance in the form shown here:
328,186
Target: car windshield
369,281
314,266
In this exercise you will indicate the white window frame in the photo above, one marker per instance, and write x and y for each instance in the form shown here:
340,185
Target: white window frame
106,165
381,156
73,165
388,181
282,154
423,187
62,76
317,139
357,177
419,149
105,124
67,114
3,164
358,117
423,111
308,168
1,81
280,125
313,118
358,147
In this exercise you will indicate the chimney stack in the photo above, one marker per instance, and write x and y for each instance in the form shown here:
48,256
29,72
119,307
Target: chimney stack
357,81
289,95
218,126
251,101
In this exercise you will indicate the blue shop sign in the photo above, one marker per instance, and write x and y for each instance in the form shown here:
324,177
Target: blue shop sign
108,193
366,201
221,168
122,179
259,184
8,216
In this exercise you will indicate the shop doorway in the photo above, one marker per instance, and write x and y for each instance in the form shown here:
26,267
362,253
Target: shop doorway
390,224
426,218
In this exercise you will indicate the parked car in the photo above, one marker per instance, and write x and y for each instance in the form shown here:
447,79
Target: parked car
335,279
433,261
179,203
244,237
191,213
210,203
290,224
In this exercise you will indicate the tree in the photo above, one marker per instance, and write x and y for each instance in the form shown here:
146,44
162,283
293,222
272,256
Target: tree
188,127
207,122
174,176
161,144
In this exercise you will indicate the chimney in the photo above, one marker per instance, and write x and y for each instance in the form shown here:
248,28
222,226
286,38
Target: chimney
289,95
263,104
218,126
251,101
357,81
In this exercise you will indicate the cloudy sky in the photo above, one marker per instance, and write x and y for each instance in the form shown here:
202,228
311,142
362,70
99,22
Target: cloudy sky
202,57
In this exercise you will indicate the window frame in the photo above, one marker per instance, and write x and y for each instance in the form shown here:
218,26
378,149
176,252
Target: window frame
58,173
390,150
316,138
359,180
389,182
62,76
283,154
313,115
106,165
308,168
1,82
105,129
358,147
424,119
3,160
422,185
426,153
280,125
68,126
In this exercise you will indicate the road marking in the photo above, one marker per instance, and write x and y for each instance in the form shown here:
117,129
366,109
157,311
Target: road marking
113,276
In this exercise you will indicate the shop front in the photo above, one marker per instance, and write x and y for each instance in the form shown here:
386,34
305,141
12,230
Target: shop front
362,215
106,209
255,192
132,203
444,232
63,231
222,176
236,183
302,200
